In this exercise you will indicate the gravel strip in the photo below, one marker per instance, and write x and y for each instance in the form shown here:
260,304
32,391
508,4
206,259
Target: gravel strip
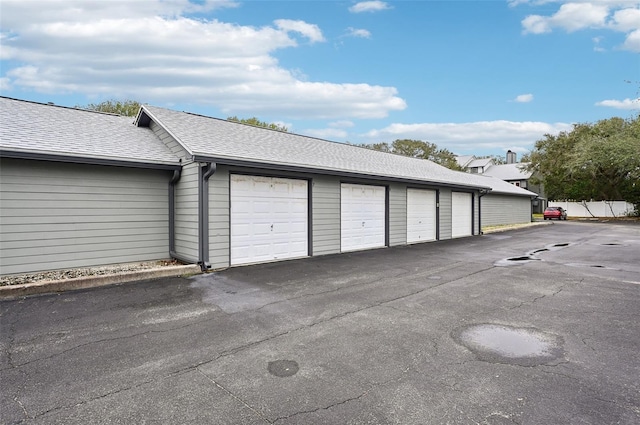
65,274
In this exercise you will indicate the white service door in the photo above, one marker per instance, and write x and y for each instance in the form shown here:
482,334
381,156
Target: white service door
269,219
362,216
461,214
421,215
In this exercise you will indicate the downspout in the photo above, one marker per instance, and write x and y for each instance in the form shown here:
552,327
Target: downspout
172,217
205,172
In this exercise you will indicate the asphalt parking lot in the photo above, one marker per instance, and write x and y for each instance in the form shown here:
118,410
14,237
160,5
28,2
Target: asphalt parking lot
535,326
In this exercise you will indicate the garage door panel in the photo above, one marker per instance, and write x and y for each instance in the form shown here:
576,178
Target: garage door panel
461,214
362,217
421,215
269,219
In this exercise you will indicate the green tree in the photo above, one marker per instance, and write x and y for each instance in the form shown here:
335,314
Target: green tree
257,123
127,108
599,161
418,149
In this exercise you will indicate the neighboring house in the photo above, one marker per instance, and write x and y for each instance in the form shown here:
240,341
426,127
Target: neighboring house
81,188
474,165
511,172
464,160
479,166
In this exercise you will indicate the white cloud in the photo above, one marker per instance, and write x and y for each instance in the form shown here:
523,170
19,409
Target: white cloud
596,44
5,84
326,133
536,24
369,6
341,124
360,33
19,13
576,16
524,98
615,15
311,31
570,17
626,20
514,3
150,52
472,135
632,42
621,104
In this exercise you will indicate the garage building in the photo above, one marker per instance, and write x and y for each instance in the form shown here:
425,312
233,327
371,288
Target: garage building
82,188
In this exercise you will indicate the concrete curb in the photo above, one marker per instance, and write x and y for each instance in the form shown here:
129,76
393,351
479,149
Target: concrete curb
516,227
52,286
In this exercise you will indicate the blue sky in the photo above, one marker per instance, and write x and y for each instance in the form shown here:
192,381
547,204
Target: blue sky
475,77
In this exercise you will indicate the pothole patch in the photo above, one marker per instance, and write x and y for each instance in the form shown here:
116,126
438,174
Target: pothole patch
531,255
283,368
515,260
506,344
540,250
527,258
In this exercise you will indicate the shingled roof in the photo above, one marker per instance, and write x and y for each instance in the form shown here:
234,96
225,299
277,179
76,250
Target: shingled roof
224,141
509,171
42,131
37,130
499,186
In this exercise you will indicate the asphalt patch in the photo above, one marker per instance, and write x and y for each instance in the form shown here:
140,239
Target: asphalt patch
510,345
283,368
530,256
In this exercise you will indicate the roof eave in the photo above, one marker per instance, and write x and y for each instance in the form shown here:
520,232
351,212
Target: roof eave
44,156
333,172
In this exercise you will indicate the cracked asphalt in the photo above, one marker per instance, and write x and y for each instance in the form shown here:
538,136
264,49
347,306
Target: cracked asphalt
359,338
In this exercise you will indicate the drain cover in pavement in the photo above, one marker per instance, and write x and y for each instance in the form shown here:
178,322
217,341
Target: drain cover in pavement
283,368
506,344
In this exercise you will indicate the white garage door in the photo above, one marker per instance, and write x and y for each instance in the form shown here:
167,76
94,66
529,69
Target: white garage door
362,216
268,219
460,214
421,215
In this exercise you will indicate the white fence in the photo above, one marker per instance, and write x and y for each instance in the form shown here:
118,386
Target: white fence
595,208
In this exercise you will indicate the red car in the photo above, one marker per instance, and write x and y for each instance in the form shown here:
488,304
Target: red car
555,212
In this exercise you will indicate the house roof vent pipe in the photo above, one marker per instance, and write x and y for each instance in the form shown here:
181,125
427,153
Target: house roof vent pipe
511,157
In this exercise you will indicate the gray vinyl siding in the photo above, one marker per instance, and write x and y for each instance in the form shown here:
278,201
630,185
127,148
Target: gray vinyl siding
186,214
56,215
186,198
325,212
325,198
476,216
445,214
397,214
504,209
324,208
219,219
169,141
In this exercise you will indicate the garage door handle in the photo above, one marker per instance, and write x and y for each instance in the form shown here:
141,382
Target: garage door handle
363,224
272,227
